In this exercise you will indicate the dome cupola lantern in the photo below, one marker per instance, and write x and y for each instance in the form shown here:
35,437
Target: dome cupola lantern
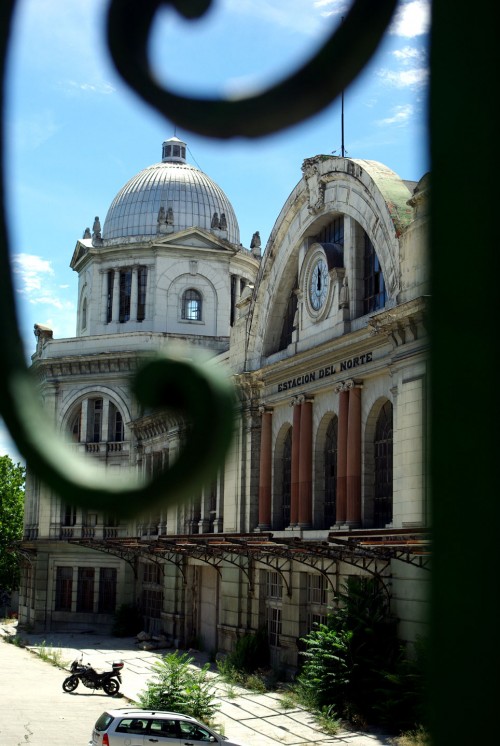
173,151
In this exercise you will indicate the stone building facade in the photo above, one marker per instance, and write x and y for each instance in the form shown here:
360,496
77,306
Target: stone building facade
325,338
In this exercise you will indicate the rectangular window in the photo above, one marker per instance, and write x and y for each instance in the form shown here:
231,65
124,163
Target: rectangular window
69,515
109,296
94,421
116,427
142,279
152,603
125,290
274,626
314,620
316,590
151,573
64,588
107,590
274,585
85,590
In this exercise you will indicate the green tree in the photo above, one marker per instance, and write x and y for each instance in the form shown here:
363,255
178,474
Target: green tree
12,478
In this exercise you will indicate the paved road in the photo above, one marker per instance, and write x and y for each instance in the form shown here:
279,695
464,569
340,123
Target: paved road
34,710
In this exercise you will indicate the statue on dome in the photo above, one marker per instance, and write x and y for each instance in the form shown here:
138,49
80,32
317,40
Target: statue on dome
96,228
170,216
223,222
215,221
162,218
255,243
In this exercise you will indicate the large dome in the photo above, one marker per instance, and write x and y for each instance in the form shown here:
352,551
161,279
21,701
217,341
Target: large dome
169,197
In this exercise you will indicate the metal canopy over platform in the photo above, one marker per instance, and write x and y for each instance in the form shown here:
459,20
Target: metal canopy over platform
369,551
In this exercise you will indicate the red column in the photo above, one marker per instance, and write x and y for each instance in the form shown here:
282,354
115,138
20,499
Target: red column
305,466
294,496
265,471
354,458
341,510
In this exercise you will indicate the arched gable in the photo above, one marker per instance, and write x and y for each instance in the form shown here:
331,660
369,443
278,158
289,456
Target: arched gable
373,196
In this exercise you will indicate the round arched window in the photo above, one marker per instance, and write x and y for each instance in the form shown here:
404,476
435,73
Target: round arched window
191,305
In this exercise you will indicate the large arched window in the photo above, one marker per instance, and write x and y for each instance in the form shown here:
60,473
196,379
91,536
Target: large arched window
330,504
191,305
102,422
383,468
289,319
374,285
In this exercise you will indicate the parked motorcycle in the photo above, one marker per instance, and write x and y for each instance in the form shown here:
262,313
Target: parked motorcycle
109,681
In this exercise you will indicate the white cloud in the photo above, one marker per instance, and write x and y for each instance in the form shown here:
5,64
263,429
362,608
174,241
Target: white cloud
37,284
408,55
405,78
400,116
412,19
100,88
31,269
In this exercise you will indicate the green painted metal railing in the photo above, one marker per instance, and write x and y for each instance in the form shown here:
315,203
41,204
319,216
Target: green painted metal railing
463,128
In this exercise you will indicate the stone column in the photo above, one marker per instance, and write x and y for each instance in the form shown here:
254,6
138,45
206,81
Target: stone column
219,506
265,485
204,522
133,294
84,421
341,512
294,496
305,466
353,476
237,295
105,421
116,296
104,297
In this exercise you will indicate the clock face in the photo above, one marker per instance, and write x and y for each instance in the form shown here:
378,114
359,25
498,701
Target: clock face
318,285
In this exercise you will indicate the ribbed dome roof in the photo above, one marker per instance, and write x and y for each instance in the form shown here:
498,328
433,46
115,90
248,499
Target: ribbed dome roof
171,193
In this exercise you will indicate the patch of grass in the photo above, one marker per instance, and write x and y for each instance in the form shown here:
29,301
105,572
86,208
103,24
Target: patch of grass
15,640
230,691
255,683
328,720
258,681
418,737
52,655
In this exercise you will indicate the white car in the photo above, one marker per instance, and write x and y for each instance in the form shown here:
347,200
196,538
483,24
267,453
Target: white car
135,727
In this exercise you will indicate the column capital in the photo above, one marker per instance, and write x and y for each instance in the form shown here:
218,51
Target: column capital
264,409
300,399
347,385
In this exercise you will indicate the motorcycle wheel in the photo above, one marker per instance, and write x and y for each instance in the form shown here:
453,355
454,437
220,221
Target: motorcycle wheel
70,684
111,687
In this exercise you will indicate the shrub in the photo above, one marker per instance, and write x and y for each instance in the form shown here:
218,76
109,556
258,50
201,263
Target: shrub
180,687
128,621
356,665
250,653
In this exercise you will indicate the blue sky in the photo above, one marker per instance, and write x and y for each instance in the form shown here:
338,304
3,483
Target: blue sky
76,134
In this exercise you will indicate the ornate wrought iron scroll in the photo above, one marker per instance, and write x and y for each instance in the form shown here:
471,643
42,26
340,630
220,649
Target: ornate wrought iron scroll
311,88
206,395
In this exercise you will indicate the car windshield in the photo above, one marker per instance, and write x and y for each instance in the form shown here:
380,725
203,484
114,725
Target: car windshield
103,722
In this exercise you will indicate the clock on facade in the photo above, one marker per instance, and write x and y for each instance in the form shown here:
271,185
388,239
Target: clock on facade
318,284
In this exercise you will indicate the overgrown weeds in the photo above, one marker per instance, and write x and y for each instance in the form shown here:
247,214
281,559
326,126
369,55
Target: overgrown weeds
178,686
52,655
418,737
